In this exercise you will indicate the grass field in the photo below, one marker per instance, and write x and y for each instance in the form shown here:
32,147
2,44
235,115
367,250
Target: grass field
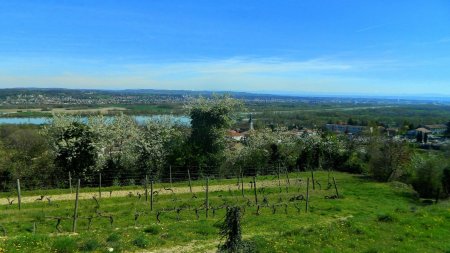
368,217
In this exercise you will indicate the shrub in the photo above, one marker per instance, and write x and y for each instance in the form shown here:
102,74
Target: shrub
385,218
388,159
427,176
446,181
64,245
113,238
231,230
90,245
154,230
141,242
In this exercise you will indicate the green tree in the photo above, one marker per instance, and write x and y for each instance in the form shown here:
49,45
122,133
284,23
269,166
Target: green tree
388,158
448,129
209,120
427,175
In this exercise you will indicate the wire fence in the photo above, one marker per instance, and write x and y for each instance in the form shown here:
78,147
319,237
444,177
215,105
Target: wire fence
122,178
276,192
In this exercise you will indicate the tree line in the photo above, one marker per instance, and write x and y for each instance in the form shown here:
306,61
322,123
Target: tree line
120,149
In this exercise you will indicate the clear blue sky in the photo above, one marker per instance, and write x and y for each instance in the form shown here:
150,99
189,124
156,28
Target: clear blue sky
345,47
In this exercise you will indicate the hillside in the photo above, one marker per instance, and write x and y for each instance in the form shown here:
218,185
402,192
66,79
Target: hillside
367,217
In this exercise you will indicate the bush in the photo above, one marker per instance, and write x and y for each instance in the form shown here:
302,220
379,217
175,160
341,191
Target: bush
141,242
154,230
64,245
427,176
385,218
113,238
446,181
90,245
388,159
231,230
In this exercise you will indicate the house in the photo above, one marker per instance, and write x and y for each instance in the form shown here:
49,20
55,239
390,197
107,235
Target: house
348,129
235,135
391,131
422,134
437,128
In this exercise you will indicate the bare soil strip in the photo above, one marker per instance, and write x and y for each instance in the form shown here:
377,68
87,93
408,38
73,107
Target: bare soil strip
124,193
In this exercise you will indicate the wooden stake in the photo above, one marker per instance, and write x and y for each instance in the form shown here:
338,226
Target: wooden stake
207,197
307,195
70,182
278,175
146,188
254,188
242,184
287,177
19,196
75,210
190,185
335,187
170,174
312,178
100,185
151,195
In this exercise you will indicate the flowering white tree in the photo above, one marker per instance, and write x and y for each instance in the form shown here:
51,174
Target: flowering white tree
117,137
153,145
74,145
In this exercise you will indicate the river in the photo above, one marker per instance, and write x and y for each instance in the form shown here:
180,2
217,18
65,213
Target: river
140,119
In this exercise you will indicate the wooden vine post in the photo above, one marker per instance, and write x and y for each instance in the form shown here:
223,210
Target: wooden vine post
151,195
70,182
254,189
19,196
335,188
207,197
75,210
100,185
278,175
307,195
287,176
190,184
170,175
146,188
312,178
242,185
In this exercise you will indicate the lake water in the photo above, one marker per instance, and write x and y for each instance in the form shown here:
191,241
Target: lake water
46,120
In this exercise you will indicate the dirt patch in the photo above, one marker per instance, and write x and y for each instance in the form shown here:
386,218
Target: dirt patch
124,193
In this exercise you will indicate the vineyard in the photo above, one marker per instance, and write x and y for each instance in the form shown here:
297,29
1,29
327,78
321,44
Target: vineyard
304,211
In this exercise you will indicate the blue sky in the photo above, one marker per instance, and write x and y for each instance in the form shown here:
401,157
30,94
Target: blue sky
293,47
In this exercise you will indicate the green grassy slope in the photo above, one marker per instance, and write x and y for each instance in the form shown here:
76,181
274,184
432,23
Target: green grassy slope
369,217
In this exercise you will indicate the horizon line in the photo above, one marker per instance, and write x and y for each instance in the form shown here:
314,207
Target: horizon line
263,92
